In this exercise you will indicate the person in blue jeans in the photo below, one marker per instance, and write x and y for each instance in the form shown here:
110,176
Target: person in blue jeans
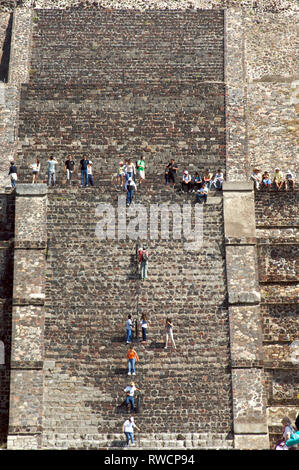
131,187
128,429
202,193
129,326
130,390
13,174
84,170
132,357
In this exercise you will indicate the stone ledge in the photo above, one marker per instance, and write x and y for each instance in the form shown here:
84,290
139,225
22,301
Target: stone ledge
35,190
237,186
27,365
30,245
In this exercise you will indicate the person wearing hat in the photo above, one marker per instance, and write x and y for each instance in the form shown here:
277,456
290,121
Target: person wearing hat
290,180
256,177
278,179
128,430
186,182
143,260
130,390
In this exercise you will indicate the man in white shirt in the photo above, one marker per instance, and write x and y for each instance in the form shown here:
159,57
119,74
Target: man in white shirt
290,180
186,182
51,170
128,429
130,390
256,177
218,179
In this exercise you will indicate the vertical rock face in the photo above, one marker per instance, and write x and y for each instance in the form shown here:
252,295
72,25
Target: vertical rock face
118,84
92,286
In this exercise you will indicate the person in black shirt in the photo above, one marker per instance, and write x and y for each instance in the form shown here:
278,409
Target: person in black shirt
170,172
13,174
84,170
69,168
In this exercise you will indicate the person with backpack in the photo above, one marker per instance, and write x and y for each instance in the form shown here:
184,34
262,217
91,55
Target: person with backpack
132,358
143,260
131,187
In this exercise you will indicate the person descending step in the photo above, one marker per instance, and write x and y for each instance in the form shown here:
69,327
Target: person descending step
13,174
84,171
130,390
132,358
141,170
131,187
144,323
169,333
129,326
128,429
143,256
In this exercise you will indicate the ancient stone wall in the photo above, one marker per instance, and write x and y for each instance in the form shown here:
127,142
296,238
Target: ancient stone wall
277,237
7,204
262,88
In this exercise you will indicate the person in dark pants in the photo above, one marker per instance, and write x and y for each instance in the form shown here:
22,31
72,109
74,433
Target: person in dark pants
144,326
202,193
84,170
170,173
131,187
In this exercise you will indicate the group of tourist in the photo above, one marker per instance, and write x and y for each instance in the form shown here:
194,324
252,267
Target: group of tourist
132,357
278,180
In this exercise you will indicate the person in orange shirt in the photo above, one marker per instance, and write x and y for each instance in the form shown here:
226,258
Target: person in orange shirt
132,357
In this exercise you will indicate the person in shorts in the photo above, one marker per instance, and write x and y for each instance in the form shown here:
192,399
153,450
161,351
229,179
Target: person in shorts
35,171
141,170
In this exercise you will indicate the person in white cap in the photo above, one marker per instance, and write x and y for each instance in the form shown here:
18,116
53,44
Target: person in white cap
130,390
256,177
128,429
186,182
290,180
278,179
218,179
